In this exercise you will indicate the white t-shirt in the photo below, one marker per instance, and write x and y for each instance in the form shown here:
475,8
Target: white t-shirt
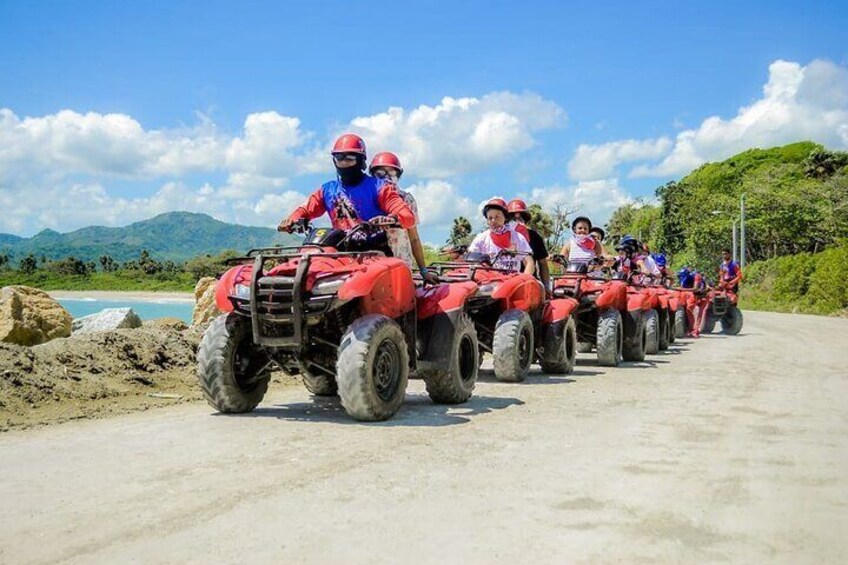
484,243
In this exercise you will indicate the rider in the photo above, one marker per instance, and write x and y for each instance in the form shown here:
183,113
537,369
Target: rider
729,272
353,197
502,237
627,248
405,243
599,235
662,264
685,277
519,214
582,247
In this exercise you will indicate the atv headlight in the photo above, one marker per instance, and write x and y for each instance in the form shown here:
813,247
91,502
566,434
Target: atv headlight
330,285
242,291
486,289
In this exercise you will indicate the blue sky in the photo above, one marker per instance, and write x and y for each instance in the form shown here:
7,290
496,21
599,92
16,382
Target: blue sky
112,112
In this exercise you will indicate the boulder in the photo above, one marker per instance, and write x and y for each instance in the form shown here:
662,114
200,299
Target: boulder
107,320
205,308
29,316
173,323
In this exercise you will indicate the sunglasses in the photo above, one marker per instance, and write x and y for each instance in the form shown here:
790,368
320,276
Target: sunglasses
385,172
342,157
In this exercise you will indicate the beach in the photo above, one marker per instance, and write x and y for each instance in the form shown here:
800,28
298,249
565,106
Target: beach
131,296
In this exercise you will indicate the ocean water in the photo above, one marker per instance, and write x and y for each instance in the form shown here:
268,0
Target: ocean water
146,309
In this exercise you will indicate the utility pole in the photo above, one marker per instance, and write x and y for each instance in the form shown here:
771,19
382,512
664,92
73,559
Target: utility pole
742,232
735,246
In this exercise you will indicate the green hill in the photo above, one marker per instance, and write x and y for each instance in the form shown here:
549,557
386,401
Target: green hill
175,236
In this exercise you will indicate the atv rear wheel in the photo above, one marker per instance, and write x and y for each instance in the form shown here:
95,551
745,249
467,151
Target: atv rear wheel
560,347
512,347
680,322
663,326
610,338
670,326
319,384
731,322
709,324
652,329
373,368
454,384
634,350
233,372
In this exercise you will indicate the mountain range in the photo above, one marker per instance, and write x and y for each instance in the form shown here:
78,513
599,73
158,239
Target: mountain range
175,236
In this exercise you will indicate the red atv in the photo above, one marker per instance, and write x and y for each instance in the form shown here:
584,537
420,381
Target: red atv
723,309
514,322
609,313
344,317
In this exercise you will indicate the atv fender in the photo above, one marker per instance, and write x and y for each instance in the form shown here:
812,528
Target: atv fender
558,309
384,287
638,301
435,334
226,287
443,298
614,296
521,292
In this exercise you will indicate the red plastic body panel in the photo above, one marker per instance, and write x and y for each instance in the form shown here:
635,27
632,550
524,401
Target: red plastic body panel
558,309
614,295
443,298
385,286
520,291
240,274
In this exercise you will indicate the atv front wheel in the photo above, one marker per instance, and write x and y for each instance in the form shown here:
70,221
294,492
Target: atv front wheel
731,322
709,323
662,327
680,322
652,329
610,338
454,383
372,368
319,384
512,349
634,348
560,347
233,372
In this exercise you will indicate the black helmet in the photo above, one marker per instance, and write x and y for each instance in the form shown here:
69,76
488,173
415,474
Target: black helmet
581,219
600,231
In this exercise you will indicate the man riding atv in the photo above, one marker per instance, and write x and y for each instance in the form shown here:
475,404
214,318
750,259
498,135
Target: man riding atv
355,197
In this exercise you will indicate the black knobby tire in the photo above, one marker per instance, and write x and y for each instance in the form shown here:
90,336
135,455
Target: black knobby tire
634,350
610,338
455,384
709,323
584,347
680,322
560,347
372,369
320,384
512,347
672,331
652,330
233,372
664,327
731,322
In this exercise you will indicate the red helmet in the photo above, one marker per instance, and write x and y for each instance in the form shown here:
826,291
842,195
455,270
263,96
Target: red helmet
349,143
498,203
386,159
518,206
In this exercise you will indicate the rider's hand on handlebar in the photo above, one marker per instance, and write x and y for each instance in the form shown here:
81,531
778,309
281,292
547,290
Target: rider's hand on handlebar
287,225
390,221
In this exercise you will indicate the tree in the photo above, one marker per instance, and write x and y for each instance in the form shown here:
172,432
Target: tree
540,220
4,260
559,226
460,232
107,264
28,265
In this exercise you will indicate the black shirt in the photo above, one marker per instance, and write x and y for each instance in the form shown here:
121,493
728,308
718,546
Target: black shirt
537,244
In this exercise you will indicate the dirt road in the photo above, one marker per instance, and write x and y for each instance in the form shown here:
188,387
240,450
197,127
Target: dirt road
723,449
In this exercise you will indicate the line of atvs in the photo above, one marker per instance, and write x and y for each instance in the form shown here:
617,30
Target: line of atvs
358,324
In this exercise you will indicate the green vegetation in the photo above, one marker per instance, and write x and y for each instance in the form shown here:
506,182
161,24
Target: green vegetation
796,200
810,283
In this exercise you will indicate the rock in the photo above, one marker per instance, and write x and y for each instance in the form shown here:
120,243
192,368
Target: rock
29,316
173,323
107,320
205,308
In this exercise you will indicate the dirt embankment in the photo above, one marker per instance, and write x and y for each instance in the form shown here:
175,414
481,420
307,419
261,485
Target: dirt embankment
95,375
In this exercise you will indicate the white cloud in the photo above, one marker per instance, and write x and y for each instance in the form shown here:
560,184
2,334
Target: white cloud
596,199
459,135
798,103
593,162
439,202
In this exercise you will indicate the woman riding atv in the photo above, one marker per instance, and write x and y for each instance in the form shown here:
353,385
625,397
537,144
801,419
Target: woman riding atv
508,248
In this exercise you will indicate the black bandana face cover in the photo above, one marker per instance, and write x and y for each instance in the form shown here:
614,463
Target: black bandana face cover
352,176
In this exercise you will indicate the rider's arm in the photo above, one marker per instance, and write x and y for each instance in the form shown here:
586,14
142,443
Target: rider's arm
417,248
476,246
390,200
544,273
565,249
311,209
522,247
529,265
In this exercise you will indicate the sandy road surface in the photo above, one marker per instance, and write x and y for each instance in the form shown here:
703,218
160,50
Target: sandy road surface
724,449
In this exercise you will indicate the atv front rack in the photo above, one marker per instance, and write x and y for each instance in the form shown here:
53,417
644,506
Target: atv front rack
280,305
